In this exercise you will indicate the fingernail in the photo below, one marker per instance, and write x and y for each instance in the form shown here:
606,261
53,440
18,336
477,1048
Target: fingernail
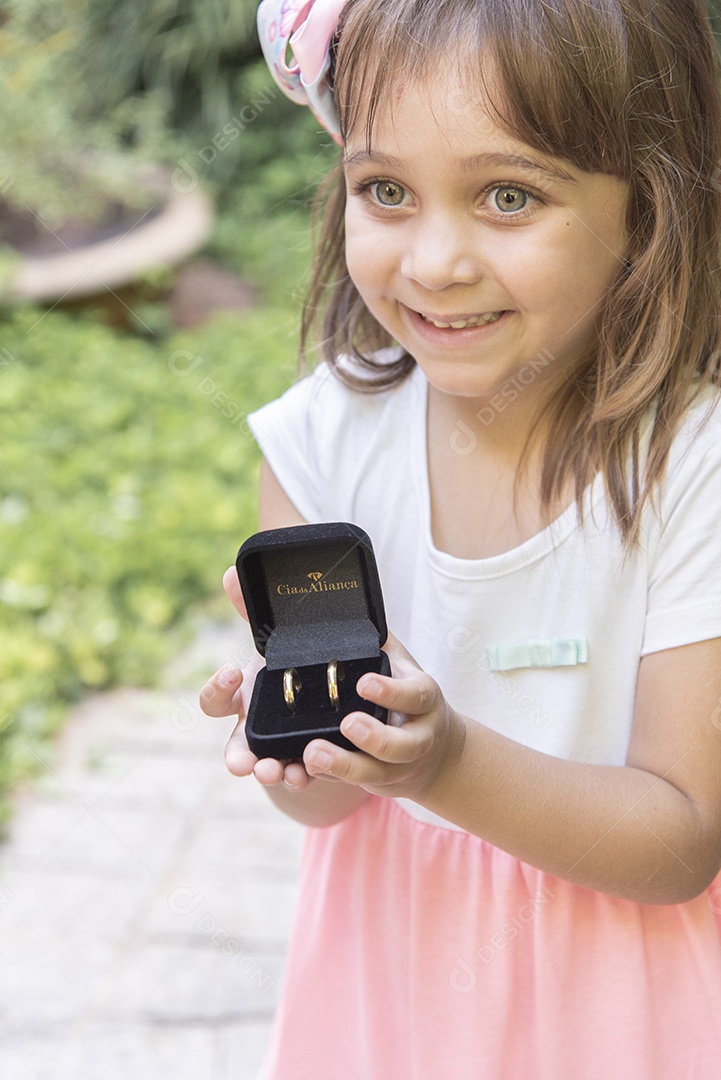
321,759
369,686
228,675
355,727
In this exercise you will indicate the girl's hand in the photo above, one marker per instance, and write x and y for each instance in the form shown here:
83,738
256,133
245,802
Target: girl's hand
409,754
228,693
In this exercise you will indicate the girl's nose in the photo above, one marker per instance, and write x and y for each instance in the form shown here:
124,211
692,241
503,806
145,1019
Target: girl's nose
441,253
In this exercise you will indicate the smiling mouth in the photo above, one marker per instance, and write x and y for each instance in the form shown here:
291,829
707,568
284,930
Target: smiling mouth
463,324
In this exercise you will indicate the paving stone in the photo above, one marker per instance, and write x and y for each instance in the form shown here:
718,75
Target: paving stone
234,793
49,978
114,1052
216,979
252,909
241,1051
68,903
215,644
267,841
146,895
120,778
139,717
55,834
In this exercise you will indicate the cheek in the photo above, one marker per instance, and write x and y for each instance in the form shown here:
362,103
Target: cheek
578,271
367,256
354,245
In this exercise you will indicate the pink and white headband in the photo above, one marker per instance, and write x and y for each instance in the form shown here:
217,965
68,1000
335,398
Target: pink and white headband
305,28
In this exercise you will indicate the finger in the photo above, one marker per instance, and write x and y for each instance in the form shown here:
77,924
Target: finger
324,759
239,760
295,777
393,745
412,694
394,647
269,772
221,694
234,591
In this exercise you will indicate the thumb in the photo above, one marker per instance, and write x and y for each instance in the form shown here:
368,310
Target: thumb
234,591
395,648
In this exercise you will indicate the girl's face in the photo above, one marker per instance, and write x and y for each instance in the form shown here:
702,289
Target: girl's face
476,252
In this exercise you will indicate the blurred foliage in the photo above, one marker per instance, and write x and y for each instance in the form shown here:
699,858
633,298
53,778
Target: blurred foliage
714,10
127,481
200,65
53,161
127,476
92,89
192,53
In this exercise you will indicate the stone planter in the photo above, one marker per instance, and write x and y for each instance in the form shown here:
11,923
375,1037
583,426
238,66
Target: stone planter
76,262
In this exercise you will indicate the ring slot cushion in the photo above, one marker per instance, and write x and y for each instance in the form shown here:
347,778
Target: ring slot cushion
313,595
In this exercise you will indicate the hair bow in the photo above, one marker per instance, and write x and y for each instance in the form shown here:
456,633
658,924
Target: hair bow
306,28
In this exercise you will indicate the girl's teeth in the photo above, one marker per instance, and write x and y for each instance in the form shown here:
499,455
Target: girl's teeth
461,324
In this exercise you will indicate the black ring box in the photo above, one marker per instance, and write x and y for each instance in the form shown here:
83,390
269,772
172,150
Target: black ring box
313,595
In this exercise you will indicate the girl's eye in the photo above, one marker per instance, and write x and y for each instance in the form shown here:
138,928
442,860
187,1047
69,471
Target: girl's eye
510,200
388,193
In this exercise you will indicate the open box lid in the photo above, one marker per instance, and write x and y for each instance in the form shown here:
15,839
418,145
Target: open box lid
313,594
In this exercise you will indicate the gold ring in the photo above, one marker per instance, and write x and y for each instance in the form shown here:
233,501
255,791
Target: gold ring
291,687
335,675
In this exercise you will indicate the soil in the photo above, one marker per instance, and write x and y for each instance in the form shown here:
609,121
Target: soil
29,235
199,290
204,287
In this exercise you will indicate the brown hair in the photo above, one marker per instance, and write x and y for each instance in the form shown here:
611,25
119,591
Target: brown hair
629,88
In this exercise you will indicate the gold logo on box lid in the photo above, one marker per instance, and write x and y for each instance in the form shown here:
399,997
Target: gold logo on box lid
317,585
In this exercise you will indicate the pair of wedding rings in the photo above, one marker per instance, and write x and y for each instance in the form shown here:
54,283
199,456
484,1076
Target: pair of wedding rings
292,685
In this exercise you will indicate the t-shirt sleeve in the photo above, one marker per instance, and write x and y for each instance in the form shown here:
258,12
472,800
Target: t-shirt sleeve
684,593
328,445
286,431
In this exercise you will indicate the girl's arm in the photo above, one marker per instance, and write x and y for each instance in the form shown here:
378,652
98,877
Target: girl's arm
649,831
317,802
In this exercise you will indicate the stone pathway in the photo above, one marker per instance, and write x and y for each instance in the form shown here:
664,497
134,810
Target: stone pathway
145,896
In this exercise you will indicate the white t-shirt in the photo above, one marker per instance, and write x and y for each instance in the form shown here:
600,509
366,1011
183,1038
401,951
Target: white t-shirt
543,642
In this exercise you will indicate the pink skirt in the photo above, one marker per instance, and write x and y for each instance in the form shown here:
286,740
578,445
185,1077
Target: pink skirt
421,953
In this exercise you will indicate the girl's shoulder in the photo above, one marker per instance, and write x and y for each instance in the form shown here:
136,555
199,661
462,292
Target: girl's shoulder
689,493
324,439
698,437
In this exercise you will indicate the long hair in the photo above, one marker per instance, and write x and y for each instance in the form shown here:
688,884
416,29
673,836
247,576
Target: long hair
629,88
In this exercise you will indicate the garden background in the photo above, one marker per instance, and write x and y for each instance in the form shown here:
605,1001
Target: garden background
127,472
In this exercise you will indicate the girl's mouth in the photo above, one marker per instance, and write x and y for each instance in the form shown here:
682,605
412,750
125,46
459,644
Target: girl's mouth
462,322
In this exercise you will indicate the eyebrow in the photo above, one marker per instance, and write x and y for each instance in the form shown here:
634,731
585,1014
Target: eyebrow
469,164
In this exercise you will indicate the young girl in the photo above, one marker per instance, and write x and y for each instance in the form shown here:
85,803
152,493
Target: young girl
519,284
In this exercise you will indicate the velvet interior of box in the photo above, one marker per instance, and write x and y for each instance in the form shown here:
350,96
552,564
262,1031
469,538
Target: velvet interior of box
313,597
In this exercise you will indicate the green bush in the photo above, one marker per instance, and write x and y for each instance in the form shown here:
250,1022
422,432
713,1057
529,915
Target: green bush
127,480
200,67
55,164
